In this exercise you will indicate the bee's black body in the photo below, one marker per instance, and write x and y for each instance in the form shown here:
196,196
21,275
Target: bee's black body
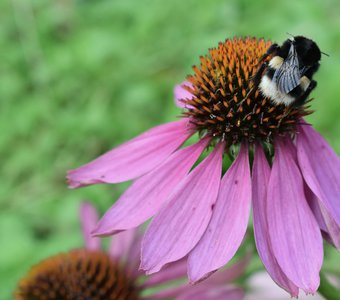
287,77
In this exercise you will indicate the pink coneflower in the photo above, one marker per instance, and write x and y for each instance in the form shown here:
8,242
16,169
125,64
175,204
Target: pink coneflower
202,216
92,274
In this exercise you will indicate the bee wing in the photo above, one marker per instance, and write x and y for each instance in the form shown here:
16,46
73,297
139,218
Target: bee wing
287,77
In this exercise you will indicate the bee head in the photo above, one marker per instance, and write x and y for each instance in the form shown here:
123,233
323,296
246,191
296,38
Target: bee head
308,51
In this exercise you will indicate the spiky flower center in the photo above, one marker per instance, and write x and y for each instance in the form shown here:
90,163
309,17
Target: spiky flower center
225,102
77,275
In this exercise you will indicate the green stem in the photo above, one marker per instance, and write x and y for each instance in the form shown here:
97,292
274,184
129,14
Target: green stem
327,290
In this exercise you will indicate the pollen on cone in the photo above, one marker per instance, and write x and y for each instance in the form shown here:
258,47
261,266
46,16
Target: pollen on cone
226,104
78,274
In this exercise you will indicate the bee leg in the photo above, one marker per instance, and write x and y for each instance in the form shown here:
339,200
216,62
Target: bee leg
258,75
270,50
301,100
310,71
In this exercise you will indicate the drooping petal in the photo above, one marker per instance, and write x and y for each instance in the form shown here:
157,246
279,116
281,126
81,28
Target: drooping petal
327,224
320,167
180,224
229,221
182,94
148,193
260,179
88,219
333,230
294,233
134,158
314,205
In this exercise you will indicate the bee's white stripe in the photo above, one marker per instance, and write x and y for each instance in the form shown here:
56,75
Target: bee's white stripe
276,62
304,82
269,89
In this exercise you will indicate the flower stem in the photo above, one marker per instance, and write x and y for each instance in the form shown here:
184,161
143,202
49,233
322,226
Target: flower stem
326,289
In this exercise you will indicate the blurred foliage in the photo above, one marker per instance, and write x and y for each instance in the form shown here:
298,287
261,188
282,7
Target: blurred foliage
78,77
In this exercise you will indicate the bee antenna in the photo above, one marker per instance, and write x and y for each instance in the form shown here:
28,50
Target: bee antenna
324,53
290,34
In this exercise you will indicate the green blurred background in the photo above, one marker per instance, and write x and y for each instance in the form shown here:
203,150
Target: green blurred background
79,77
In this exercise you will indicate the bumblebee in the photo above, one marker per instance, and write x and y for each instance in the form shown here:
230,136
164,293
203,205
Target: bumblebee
287,78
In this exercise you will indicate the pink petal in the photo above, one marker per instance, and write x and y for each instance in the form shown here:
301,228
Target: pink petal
121,244
229,221
294,233
320,167
178,269
260,179
212,293
88,219
148,193
173,271
325,220
333,229
125,249
228,274
216,281
182,94
134,158
313,202
133,257
179,225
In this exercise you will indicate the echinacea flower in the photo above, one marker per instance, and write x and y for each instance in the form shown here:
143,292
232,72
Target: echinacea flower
92,274
295,193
